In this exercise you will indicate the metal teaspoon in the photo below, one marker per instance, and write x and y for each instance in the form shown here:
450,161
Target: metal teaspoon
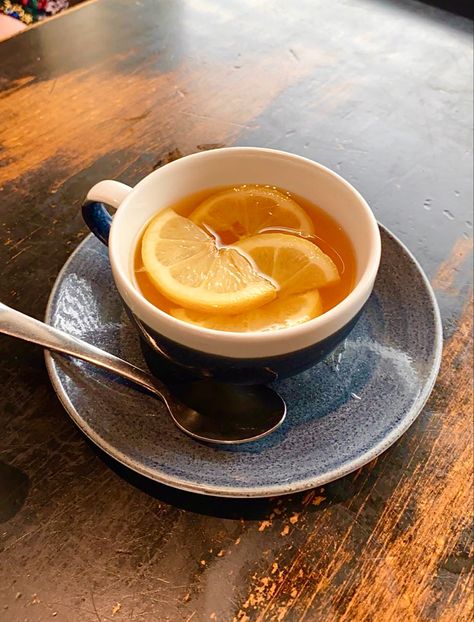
225,413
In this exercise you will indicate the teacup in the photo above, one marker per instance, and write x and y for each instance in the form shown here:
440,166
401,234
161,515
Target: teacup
178,350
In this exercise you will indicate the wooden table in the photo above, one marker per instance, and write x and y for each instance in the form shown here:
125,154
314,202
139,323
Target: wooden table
378,91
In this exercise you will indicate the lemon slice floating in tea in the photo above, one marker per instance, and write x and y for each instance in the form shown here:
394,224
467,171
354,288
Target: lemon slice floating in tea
280,313
185,265
246,210
297,265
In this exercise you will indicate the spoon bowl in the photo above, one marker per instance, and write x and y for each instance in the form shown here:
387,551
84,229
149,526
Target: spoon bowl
233,413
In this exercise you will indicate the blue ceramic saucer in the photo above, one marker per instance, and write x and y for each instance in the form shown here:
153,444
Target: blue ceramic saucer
341,414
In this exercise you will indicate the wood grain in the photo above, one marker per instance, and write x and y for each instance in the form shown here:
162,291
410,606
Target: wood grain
380,92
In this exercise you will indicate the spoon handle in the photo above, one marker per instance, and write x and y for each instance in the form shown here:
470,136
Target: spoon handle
24,327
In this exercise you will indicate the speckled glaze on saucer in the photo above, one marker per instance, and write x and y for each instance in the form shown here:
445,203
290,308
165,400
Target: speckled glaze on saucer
342,413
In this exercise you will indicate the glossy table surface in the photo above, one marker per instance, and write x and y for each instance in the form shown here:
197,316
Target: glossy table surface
379,91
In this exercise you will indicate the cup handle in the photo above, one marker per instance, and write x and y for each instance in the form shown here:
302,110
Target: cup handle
94,212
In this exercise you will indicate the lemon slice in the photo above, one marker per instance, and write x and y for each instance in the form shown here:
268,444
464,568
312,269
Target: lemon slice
280,313
247,210
294,263
184,264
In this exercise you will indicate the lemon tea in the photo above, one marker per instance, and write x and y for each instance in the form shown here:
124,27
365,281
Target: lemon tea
302,219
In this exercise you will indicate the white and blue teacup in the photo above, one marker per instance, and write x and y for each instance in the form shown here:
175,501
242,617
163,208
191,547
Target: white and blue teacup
176,349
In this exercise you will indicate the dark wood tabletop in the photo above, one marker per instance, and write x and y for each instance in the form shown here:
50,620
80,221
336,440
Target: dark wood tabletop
379,91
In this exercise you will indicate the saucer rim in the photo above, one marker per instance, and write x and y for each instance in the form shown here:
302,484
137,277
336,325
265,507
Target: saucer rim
255,492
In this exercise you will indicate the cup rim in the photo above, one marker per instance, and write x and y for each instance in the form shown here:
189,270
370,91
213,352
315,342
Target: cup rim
348,307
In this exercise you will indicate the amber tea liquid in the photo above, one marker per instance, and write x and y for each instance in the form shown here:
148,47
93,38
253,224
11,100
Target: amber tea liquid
329,236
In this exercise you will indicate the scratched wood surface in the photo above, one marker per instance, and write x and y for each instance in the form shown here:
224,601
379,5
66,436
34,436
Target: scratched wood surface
379,91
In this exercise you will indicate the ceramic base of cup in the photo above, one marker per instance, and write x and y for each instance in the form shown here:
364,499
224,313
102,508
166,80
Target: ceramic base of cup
176,363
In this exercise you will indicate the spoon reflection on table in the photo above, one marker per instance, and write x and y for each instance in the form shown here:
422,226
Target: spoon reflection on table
209,411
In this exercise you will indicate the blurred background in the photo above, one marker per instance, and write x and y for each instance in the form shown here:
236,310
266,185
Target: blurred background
17,15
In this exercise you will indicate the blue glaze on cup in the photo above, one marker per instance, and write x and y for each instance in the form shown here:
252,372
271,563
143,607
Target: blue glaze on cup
98,219
172,361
